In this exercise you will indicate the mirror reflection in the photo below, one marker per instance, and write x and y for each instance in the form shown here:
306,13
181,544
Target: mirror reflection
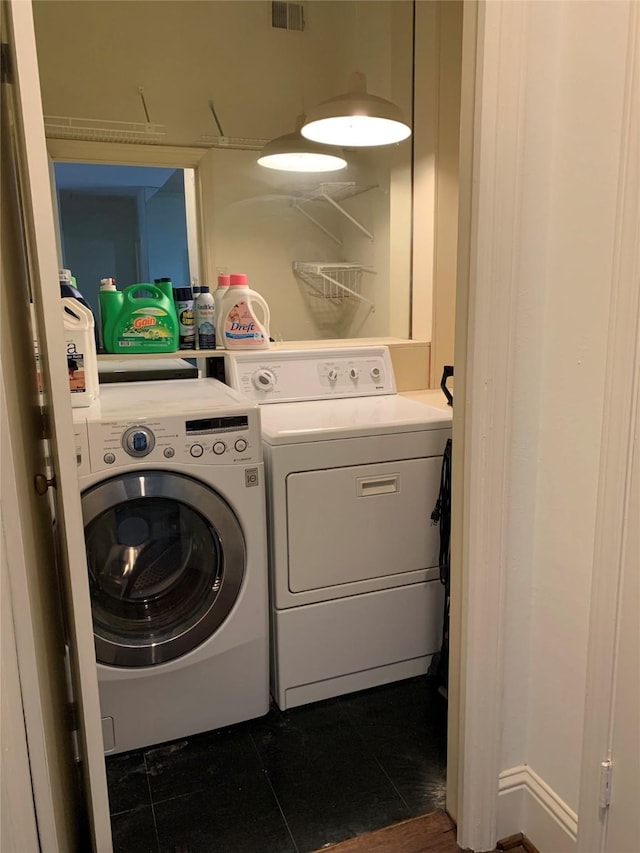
122,222
329,251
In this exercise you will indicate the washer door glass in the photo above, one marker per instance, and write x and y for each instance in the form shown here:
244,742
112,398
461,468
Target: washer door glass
166,559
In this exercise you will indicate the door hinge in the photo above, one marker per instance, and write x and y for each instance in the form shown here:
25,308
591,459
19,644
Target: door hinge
74,728
74,724
45,423
606,769
73,715
6,67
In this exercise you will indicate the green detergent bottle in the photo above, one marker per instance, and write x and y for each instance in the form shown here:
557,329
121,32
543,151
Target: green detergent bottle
141,318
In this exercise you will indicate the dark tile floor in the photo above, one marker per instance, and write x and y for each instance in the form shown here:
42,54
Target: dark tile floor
289,782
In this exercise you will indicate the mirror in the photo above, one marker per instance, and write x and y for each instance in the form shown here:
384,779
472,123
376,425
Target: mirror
330,252
124,222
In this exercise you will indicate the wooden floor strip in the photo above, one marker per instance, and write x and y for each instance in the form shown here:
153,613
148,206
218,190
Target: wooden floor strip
432,833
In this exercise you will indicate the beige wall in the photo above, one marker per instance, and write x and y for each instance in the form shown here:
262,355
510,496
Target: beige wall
259,83
438,62
449,33
81,77
94,54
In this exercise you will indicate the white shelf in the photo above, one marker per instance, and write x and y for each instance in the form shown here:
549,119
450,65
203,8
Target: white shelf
103,130
333,193
181,353
337,190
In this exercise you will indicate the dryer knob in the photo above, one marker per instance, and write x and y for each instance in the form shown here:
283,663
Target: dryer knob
354,373
332,375
264,380
376,373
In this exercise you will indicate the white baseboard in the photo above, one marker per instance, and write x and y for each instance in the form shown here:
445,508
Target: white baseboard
527,804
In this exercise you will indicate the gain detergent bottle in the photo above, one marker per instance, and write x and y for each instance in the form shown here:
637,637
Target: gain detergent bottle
141,318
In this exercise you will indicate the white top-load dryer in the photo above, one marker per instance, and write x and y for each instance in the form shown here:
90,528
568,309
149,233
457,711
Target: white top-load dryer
353,475
171,476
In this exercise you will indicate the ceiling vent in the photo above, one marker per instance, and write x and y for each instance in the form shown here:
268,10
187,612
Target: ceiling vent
287,16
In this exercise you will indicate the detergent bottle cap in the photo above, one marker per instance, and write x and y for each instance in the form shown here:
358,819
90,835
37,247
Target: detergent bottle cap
238,278
182,294
224,280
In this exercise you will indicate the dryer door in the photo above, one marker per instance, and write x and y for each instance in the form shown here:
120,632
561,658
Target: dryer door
166,558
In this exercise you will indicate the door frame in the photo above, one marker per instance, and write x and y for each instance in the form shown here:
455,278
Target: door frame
40,239
621,412
20,816
492,117
492,137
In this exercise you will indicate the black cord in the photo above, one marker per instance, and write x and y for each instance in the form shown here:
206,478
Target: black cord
441,515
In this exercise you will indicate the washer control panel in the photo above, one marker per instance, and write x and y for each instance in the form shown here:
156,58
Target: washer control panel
220,439
274,376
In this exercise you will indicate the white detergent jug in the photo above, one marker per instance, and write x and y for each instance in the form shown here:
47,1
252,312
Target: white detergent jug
218,297
239,324
82,359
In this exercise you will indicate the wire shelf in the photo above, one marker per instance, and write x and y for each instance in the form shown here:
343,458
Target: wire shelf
333,293
236,142
102,130
337,190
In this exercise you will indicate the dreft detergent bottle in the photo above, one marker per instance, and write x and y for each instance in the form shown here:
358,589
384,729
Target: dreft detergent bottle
240,325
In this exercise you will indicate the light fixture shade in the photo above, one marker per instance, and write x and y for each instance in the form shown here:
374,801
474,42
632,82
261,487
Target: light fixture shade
356,119
293,153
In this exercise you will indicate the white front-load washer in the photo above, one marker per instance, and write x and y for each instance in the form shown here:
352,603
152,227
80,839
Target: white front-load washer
353,474
171,475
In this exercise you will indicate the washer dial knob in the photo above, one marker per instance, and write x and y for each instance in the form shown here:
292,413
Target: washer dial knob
240,445
354,373
138,441
376,373
332,375
264,380
219,448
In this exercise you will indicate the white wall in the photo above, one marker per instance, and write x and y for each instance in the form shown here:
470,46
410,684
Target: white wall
570,141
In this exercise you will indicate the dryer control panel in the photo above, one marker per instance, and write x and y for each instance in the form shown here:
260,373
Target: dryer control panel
192,439
284,376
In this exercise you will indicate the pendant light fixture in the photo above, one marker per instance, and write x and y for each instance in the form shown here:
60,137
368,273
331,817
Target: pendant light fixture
293,153
356,119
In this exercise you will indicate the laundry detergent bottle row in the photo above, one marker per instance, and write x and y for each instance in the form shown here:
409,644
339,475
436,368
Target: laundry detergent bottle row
244,317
